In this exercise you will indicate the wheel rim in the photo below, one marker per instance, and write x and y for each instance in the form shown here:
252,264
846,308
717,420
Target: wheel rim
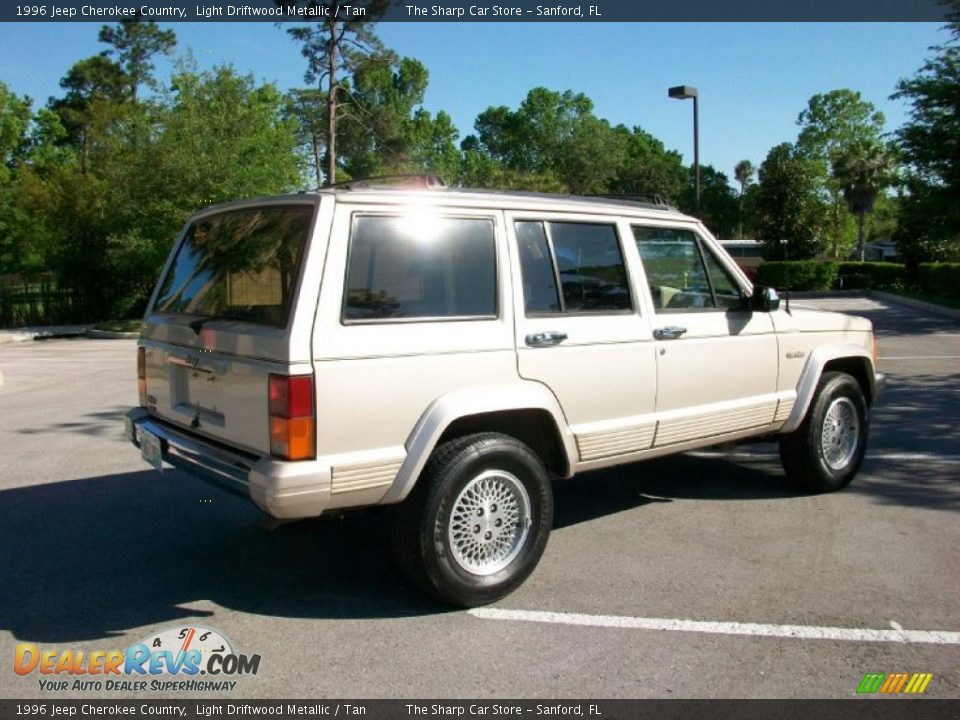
489,522
841,433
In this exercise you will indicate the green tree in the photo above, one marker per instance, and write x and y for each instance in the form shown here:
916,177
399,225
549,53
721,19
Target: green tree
648,169
789,208
743,173
718,204
95,89
830,126
929,144
306,106
134,43
15,114
862,172
334,48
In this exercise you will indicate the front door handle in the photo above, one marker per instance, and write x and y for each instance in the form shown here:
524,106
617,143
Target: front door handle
545,339
671,332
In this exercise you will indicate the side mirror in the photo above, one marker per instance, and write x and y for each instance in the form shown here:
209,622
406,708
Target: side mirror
764,299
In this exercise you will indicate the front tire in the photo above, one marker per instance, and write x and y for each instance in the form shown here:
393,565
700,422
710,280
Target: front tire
826,451
478,520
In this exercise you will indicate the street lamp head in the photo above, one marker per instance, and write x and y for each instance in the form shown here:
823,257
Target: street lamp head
682,92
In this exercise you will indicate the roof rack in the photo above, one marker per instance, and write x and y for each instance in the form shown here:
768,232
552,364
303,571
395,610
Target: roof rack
408,180
654,199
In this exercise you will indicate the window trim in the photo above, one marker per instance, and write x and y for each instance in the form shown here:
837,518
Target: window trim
358,214
545,222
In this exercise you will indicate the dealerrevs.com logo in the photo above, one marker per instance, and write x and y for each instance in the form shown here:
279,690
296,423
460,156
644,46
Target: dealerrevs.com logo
180,659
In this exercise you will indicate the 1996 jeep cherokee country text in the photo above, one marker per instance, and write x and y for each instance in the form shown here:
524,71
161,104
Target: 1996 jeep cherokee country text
451,352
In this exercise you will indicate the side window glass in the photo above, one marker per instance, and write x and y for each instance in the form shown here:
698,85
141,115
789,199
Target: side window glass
584,259
725,288
539,281
590,266
675,271
406,267
683,273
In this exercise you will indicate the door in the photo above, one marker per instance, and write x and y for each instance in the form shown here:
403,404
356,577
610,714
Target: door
716,359
579,331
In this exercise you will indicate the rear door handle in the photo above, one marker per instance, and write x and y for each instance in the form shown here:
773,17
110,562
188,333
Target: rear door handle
671,332
545,339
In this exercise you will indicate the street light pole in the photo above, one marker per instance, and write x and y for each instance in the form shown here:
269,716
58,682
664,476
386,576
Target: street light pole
686,92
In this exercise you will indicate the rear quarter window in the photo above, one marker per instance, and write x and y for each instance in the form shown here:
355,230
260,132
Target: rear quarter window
404,268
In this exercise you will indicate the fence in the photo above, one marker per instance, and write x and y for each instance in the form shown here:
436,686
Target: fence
38,303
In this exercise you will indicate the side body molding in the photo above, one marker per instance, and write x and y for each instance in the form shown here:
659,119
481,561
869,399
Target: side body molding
810,377
442,412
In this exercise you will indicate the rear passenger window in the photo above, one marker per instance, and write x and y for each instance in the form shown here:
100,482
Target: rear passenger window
583,259
408,267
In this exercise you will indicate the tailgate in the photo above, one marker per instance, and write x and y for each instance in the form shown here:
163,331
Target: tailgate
228,311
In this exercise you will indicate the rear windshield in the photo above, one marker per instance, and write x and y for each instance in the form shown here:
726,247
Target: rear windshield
238,265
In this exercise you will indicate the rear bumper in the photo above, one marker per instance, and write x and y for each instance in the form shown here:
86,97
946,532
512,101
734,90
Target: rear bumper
284,490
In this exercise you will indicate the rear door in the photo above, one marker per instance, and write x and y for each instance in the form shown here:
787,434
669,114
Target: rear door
579,330
235,303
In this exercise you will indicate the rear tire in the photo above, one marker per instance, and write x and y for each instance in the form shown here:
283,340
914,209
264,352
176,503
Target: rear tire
478,520
826,451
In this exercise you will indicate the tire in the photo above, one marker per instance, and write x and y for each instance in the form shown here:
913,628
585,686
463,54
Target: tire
477,521
826,451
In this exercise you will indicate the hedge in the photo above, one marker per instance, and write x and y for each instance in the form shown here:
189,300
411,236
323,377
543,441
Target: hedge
819,275
890,277
798,274
941,279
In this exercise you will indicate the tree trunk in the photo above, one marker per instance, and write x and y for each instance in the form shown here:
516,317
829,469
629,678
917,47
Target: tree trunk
332,106
317,159
861,247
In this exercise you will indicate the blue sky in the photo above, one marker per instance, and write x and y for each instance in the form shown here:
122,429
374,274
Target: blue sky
753,78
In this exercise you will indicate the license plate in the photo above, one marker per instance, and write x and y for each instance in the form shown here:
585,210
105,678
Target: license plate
151,450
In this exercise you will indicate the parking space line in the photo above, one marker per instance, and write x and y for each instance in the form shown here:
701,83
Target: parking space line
799,632
892,456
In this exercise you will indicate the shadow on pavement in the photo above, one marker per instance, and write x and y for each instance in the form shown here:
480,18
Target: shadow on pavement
88,559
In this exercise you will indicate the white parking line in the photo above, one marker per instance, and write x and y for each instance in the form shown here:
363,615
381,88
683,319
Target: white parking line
894,457
921,357
800,632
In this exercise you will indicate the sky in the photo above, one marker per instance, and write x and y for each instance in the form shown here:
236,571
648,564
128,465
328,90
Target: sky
753,78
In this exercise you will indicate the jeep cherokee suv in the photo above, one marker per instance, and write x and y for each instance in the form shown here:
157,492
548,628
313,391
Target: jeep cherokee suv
451,352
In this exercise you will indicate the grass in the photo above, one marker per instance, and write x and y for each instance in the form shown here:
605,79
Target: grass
935,299
120,325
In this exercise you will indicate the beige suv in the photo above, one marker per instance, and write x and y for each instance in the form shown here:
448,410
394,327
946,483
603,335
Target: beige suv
452,352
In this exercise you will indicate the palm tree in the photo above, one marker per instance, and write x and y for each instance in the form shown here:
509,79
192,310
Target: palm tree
863,172
743,172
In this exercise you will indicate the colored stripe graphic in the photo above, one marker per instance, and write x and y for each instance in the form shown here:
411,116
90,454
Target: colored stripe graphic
893,683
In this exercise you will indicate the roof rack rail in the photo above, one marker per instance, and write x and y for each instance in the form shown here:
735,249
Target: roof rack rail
408,180
654,199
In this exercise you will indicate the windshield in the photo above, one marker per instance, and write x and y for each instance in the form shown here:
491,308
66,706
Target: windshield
238,265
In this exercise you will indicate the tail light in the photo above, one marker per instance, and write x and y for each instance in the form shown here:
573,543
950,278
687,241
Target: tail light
142,375
292,424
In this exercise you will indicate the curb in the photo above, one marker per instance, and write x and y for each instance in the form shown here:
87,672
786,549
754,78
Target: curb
916,304
111,335
43,333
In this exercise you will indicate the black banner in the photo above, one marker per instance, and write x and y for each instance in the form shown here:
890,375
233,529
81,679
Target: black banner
106,11
886,709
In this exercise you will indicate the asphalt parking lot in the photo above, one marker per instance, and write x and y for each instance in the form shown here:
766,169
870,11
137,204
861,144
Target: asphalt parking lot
680,577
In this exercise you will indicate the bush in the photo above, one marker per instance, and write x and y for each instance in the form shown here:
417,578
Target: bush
798,275
941,279
890,277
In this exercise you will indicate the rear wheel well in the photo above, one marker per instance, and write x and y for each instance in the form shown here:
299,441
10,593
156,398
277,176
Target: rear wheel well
858,368
533,427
